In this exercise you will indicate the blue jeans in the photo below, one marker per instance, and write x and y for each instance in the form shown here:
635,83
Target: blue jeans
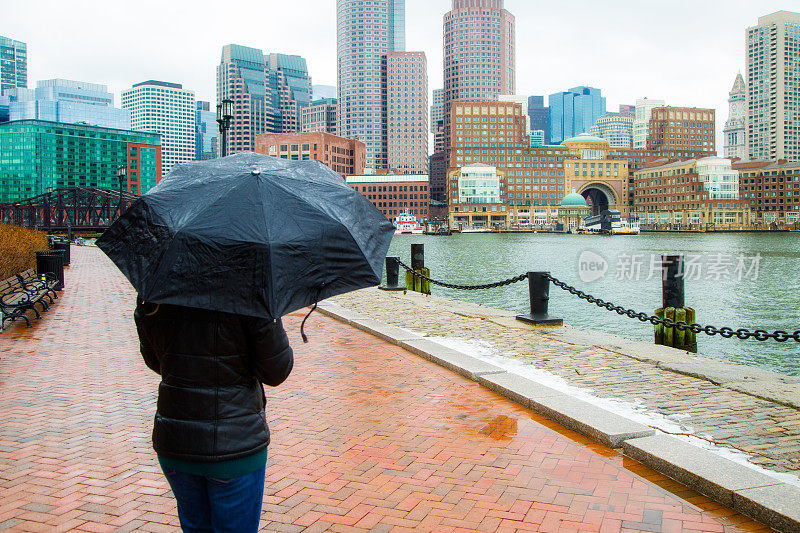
207,504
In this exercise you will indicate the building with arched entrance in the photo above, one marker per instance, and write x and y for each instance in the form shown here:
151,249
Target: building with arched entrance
532,180
596,174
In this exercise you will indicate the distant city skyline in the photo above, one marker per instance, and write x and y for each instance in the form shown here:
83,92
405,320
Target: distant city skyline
117,47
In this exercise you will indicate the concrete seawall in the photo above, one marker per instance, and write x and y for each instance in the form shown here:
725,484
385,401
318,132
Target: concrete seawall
729,431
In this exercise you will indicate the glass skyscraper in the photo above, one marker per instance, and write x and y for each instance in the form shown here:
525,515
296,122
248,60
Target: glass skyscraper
540,118
13,64
293,85
36,154
206,132
574,111
366,33
74,102
268,91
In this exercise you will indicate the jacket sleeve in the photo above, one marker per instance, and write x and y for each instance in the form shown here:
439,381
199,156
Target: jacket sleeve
271,354
146,349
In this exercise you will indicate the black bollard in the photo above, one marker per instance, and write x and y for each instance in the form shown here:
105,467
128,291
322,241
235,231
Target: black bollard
672,294
539,291
392,275
413,282
673,306
417,256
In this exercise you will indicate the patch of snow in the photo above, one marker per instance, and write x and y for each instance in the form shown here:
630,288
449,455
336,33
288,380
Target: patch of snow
633,409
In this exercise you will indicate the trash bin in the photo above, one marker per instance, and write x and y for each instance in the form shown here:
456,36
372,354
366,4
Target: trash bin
51,261
63,246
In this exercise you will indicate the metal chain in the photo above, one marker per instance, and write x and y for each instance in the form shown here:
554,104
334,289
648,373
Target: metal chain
508,281
726,332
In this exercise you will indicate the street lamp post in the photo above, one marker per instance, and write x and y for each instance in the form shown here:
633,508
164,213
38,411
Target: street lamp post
46,221
224,116
121,178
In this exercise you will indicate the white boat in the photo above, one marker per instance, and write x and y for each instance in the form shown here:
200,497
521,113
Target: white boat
476,230
406,223
609,223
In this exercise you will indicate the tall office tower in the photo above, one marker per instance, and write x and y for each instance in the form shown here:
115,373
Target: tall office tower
735,132
169,110
366,33
641,122
437,120
293,84
241,78
205,131
682,128
407,112
616,128
773,82
72,102
319,117
540,120
574,111
13,64
268,93
479,62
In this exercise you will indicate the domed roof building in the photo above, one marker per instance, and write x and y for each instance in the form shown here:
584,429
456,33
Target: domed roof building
573,198
572,210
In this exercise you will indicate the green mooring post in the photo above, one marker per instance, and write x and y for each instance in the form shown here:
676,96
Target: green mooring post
673,306
413,282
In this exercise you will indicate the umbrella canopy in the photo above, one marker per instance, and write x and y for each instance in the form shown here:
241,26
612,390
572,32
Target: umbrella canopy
249,234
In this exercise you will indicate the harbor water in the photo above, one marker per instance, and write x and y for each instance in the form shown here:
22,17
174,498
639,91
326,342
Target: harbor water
749,280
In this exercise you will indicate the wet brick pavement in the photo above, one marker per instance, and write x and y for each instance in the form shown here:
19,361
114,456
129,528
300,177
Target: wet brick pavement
366,437
768,431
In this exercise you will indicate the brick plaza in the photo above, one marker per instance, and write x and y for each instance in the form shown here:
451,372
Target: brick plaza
366,437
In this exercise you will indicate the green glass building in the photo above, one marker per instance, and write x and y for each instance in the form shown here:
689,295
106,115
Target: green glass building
36,155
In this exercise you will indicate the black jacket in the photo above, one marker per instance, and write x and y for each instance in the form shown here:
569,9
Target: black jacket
212,364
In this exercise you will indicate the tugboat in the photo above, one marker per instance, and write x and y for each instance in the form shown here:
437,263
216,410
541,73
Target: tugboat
407,224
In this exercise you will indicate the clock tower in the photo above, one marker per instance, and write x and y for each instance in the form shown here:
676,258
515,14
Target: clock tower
736,127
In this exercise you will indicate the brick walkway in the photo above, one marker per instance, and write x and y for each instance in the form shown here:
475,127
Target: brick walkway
366,437
768,431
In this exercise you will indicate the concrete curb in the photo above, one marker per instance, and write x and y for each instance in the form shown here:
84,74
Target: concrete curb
744,489
603,426
748,491
458,362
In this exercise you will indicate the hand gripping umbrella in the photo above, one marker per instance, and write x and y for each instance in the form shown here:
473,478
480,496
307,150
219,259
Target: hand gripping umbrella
249,234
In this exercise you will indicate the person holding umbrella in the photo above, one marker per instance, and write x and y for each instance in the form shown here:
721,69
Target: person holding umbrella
218,252
210,430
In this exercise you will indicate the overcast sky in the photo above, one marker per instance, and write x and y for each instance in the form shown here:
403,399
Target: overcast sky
686,52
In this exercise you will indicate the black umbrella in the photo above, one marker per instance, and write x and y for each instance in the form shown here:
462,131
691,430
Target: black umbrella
249,234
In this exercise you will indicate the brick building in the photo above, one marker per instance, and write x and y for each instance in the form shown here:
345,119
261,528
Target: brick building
533,180
682,128
773,190
393,194
345,156
695,193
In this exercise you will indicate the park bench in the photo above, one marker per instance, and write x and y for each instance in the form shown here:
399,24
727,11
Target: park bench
20,293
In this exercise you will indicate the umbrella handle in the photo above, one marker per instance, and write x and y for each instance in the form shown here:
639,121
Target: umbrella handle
303,323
